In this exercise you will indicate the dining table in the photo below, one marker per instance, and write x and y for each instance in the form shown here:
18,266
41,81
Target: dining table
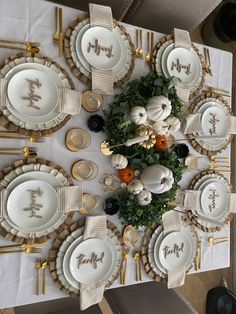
33,20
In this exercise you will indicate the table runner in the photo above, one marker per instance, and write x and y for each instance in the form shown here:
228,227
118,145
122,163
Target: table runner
33,20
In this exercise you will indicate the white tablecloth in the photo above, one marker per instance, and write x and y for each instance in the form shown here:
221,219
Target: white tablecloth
34,20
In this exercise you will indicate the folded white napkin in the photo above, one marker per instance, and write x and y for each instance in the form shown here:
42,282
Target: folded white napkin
70,198
90,294
69,101
182,38
232,125
3,202
192,200
3,93
171,221
192,123
183,93
176,278
102,80
232,203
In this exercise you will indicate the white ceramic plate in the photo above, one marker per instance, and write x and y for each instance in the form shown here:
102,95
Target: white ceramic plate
214,199
37,123
32,93
215,122
32,204
174,251
183,63
165,54
90,261
71,248
101,48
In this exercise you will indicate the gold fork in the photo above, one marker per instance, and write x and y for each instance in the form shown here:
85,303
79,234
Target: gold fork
137,266
213,241
38,268
56,34
28,154
44,266
123,272
28,250
148,56
61,37
23,246
207,60
137,49
141,43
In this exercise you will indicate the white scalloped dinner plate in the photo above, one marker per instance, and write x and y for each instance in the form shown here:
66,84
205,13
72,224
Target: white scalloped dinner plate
32,204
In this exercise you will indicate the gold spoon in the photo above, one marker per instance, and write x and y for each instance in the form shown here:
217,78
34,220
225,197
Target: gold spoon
213,241
148,56
28,154
44,267
37,267
141,43
137,49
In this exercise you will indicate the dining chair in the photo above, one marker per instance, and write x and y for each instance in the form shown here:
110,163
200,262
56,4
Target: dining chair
157,15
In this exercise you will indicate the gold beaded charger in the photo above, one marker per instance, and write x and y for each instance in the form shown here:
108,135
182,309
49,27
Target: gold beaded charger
60,246
202,146
27,169
205,226
27,125
156,62
77,63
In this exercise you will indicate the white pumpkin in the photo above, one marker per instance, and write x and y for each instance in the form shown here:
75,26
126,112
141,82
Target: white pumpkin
160,127
157,179
144,198
138,115
135,187
158,108
173,123
119,161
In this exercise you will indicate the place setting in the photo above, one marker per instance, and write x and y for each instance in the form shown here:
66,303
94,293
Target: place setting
169,249
37,96
177,56
98,50
37,201
210,125
88,259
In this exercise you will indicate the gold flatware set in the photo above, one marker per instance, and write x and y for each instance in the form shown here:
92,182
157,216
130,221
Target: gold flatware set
28,46
139,53
28,152
220,164
58,36
207,60
41,264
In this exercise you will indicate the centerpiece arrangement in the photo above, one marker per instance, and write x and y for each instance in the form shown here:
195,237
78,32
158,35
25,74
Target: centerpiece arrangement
137,127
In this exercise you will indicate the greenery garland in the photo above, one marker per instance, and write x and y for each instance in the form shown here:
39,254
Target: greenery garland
119,128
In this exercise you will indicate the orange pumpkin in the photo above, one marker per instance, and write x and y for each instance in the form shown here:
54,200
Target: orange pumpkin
126,175
161,143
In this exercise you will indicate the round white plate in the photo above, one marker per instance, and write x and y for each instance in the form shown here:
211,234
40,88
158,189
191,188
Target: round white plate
71,248
49,120
101,48
174,251
215,122
184,58
165,54
90,272
78,47
32,204
32,93
156,248
214,199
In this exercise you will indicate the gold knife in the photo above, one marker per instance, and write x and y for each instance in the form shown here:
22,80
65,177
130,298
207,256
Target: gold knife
60,33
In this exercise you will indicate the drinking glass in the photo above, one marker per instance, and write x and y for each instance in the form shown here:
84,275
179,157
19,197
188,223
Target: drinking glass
84,170
92,204
77,139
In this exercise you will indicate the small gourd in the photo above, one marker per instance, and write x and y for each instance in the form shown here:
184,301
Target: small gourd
135,187
157,179
119,161
138,115
126,175
160,127
173,123
161,143
144,198
158,108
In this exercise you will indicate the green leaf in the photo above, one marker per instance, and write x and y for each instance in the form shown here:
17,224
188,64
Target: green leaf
158,82
157,91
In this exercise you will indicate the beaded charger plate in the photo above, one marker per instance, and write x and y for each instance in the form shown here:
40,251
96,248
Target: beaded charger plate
151,268
156,62
201,146
204,226
16,121
57,253
22,171
77,63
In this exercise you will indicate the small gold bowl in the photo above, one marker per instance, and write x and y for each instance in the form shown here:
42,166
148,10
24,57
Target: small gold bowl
77,139
92,101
